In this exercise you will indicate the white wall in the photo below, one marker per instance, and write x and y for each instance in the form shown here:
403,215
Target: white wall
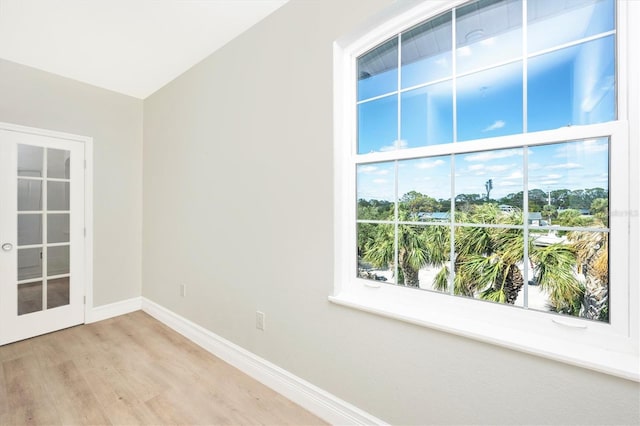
238,206
38,99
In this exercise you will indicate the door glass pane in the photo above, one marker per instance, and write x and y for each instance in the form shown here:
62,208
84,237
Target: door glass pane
58,195
29,298
30,160
57,292
58,228
29,263
29,195
57,260
58,162
29,229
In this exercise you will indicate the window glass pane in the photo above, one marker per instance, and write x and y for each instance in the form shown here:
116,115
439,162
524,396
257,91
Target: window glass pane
423,251
57,293
572,86
569,183
30,160
378,70
58,195
489,187
376,252
490,103
29,229
571,273
57,260
29,195
58,162
488,32
29,263
376,191
489,263
426,52
424,189
29,298
58,228
435,242
427,115
553,23
378,125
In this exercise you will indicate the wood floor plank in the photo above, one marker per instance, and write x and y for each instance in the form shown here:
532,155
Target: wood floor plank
27,399
131,370
73,397
4,404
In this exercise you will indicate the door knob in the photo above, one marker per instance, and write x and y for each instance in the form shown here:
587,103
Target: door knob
7,246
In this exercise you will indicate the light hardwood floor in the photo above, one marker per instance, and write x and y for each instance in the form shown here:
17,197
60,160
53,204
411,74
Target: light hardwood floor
131,370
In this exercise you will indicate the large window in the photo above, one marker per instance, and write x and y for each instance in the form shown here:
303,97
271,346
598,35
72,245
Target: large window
482,156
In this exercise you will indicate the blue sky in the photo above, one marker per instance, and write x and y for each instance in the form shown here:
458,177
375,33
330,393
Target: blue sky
570,165
573,85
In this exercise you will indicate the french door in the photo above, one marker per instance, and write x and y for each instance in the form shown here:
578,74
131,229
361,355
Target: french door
41,234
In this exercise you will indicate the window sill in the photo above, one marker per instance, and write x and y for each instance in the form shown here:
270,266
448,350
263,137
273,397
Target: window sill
554,337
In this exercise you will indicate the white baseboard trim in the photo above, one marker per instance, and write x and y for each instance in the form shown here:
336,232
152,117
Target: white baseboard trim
111,310
321,403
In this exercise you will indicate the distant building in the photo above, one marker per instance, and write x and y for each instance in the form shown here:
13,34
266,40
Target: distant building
535,219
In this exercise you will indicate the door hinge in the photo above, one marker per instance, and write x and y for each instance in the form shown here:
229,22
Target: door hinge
84,300
84,230
85,164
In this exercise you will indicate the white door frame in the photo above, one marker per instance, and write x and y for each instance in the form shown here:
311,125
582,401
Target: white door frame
88,202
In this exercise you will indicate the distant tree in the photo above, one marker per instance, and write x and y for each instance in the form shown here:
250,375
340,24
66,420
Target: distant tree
560,198
549,211
513,199
414,202
488,185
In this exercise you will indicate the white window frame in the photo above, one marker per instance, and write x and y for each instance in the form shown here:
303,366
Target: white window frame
612,347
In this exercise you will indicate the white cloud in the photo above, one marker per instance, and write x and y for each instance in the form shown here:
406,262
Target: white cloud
476,167
515,175
554,176
430,164
565,166
367,169
500,168
592,146
397,144
498,124
380,181
493,155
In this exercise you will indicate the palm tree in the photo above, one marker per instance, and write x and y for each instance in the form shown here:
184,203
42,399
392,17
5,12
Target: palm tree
413,253
593,263
488,260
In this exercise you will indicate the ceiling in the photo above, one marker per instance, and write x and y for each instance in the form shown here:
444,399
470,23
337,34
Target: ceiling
132,47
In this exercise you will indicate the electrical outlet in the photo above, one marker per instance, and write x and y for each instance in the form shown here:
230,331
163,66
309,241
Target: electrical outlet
260,320
183,290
